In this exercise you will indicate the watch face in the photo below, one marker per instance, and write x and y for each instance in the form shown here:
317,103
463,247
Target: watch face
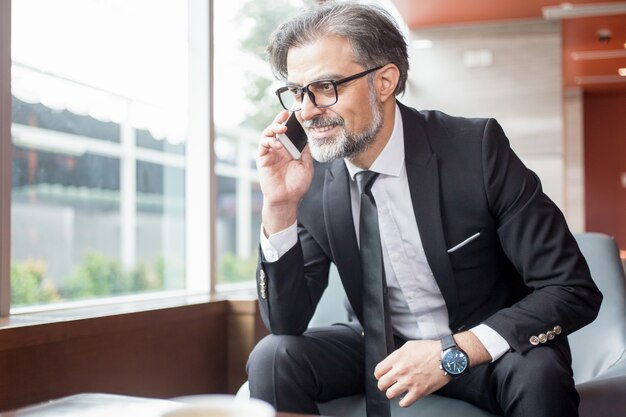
454,362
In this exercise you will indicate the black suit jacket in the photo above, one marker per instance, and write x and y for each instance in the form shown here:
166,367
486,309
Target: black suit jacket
522,276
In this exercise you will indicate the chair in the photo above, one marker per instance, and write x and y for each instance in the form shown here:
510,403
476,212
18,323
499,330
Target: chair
598,350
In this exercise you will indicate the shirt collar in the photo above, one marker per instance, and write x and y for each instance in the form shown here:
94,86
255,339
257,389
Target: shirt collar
387,162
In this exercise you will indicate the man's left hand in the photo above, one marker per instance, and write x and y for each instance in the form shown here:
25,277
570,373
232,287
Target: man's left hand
413,369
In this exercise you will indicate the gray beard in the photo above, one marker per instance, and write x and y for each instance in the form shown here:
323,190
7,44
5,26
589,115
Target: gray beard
345,144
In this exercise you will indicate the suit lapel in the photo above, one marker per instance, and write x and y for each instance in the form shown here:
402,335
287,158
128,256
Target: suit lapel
341,234
423,176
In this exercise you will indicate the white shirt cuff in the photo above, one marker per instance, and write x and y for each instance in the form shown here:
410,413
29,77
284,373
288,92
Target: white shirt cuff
279,243
495,344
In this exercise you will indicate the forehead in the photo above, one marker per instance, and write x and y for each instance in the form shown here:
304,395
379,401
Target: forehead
327,57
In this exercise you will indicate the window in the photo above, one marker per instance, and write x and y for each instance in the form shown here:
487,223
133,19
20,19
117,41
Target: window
244,105
110,149
111,152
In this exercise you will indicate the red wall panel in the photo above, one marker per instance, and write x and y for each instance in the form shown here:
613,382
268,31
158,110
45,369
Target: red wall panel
605,164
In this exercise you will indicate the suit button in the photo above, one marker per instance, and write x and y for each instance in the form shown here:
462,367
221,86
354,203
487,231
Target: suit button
557,329
543,338
551,334
262,284
534,340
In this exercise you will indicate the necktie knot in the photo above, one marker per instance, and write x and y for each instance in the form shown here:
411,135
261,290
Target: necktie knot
364,180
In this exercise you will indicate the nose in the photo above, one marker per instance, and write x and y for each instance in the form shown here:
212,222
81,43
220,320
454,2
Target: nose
309,110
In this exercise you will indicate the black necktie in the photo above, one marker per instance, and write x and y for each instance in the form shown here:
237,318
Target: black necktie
376,324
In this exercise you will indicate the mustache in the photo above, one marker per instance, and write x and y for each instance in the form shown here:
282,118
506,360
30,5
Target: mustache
324,121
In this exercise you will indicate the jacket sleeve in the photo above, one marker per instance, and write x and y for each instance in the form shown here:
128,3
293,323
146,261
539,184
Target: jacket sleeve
290,288
535,237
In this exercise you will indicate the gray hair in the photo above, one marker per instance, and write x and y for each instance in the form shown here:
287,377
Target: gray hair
372,32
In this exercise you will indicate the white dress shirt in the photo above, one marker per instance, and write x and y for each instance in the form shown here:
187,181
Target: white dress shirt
417,308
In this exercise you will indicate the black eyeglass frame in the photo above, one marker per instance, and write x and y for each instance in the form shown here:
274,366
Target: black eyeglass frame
309,93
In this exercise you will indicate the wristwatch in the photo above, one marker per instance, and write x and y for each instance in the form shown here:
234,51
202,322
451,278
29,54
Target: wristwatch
454,361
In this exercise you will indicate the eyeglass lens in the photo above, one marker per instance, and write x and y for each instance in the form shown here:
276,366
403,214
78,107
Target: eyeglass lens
321,93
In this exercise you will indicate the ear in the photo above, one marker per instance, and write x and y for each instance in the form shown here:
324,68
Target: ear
387,81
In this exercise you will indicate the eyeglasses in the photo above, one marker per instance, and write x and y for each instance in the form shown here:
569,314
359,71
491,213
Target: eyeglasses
322,93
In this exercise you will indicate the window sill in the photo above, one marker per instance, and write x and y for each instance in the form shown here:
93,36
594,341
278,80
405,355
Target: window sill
94,309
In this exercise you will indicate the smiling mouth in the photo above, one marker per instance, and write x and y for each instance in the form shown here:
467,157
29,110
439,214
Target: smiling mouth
321,129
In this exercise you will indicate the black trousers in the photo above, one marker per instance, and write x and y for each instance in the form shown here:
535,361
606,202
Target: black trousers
294,372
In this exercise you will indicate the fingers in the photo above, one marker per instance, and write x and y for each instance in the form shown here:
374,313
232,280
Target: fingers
281,117
273,129
269,141
394,387
394,390
403,388
278,125
411,372
383,367
268,144
408,399
386,381
383,373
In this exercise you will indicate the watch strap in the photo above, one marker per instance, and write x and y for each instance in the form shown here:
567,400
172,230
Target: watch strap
447,342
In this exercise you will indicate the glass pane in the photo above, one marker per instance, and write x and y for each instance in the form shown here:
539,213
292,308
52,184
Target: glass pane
160,226
100,122
255,217
226,229
244,88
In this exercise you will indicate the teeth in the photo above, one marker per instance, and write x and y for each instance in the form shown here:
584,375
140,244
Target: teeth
322,129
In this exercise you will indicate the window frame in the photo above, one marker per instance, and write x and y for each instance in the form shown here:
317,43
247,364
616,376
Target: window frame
5,157
200,177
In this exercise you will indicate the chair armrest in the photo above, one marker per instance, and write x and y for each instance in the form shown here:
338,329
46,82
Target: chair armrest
604,396
618,369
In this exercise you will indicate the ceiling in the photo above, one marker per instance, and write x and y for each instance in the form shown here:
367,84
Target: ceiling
587,62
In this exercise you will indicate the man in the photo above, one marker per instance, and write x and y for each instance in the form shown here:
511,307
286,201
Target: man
470,244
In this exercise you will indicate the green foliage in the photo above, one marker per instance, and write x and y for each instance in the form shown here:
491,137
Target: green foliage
29,285
265,17
266,103
145,278
98,276
173,269
233,270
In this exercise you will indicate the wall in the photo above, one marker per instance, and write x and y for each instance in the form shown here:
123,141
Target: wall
574,164
245,329
605,164
508,71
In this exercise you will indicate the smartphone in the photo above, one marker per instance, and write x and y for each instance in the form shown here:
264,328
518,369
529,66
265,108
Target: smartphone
294,139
